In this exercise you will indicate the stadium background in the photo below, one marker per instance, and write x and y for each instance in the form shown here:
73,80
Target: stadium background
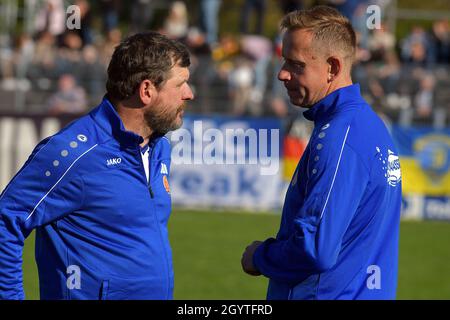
49,75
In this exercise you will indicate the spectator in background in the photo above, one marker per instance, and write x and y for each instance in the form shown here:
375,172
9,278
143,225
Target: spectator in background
209,19
85,32
259,50
45,53
440,38
51,18
259,7
241,80
6,56
389,71
14,65
359,21
346,7
228,47
419,55
69,54
141,15
224,58
414,47
23,55
69,99
291,5
92,72
202,69
197,43
176,24
423,100
362,54
110,13
113,39
43,67
380,43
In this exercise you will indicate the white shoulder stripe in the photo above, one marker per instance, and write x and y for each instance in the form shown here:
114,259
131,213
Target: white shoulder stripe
335,172
40,201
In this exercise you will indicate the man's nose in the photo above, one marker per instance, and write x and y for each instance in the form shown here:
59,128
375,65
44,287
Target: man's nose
188,94
284,75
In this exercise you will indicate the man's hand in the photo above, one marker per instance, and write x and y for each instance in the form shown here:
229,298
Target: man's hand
247,259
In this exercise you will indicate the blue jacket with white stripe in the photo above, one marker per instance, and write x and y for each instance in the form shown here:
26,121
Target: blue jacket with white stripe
339,230
101,227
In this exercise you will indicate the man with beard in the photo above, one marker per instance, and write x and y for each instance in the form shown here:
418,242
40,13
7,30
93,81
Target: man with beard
338,237
97,192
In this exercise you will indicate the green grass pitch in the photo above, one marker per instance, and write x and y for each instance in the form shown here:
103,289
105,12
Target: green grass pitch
207,249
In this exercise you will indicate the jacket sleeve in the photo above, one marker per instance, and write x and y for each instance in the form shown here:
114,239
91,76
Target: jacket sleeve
336,179
40,193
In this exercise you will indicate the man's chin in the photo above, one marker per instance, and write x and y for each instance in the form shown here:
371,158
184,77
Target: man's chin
300,103
178,123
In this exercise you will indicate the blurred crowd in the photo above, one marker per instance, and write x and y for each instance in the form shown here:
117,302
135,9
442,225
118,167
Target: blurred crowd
48,68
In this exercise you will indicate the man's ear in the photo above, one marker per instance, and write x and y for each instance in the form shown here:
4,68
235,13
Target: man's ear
146,92
334,67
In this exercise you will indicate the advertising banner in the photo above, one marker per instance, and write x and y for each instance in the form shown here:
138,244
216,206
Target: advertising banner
425,163
227,162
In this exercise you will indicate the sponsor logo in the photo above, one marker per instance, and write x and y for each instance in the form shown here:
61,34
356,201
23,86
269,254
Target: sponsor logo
394,175
391,167
113,161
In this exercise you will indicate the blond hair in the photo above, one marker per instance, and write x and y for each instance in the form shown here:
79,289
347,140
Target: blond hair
331,30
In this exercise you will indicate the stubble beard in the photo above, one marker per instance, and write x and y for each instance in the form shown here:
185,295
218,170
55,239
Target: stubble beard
162,119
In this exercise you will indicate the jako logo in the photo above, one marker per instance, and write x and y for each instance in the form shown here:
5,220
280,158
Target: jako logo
113,161
74,280
374,280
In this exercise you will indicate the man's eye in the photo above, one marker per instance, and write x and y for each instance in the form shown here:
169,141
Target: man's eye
297,65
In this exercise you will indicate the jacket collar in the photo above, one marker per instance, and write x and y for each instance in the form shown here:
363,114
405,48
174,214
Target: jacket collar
106,116
334,102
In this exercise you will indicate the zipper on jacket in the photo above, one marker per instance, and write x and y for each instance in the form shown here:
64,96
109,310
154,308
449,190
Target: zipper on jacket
151,191
156,216
152,195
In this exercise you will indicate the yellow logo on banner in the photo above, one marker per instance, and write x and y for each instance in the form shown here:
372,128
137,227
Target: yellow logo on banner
428,171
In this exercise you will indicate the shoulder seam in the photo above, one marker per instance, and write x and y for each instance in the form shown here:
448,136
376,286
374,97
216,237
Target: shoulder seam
350,145
359,156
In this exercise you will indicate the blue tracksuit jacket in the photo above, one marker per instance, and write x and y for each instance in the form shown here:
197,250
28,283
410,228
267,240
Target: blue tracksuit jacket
339,230
101,228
